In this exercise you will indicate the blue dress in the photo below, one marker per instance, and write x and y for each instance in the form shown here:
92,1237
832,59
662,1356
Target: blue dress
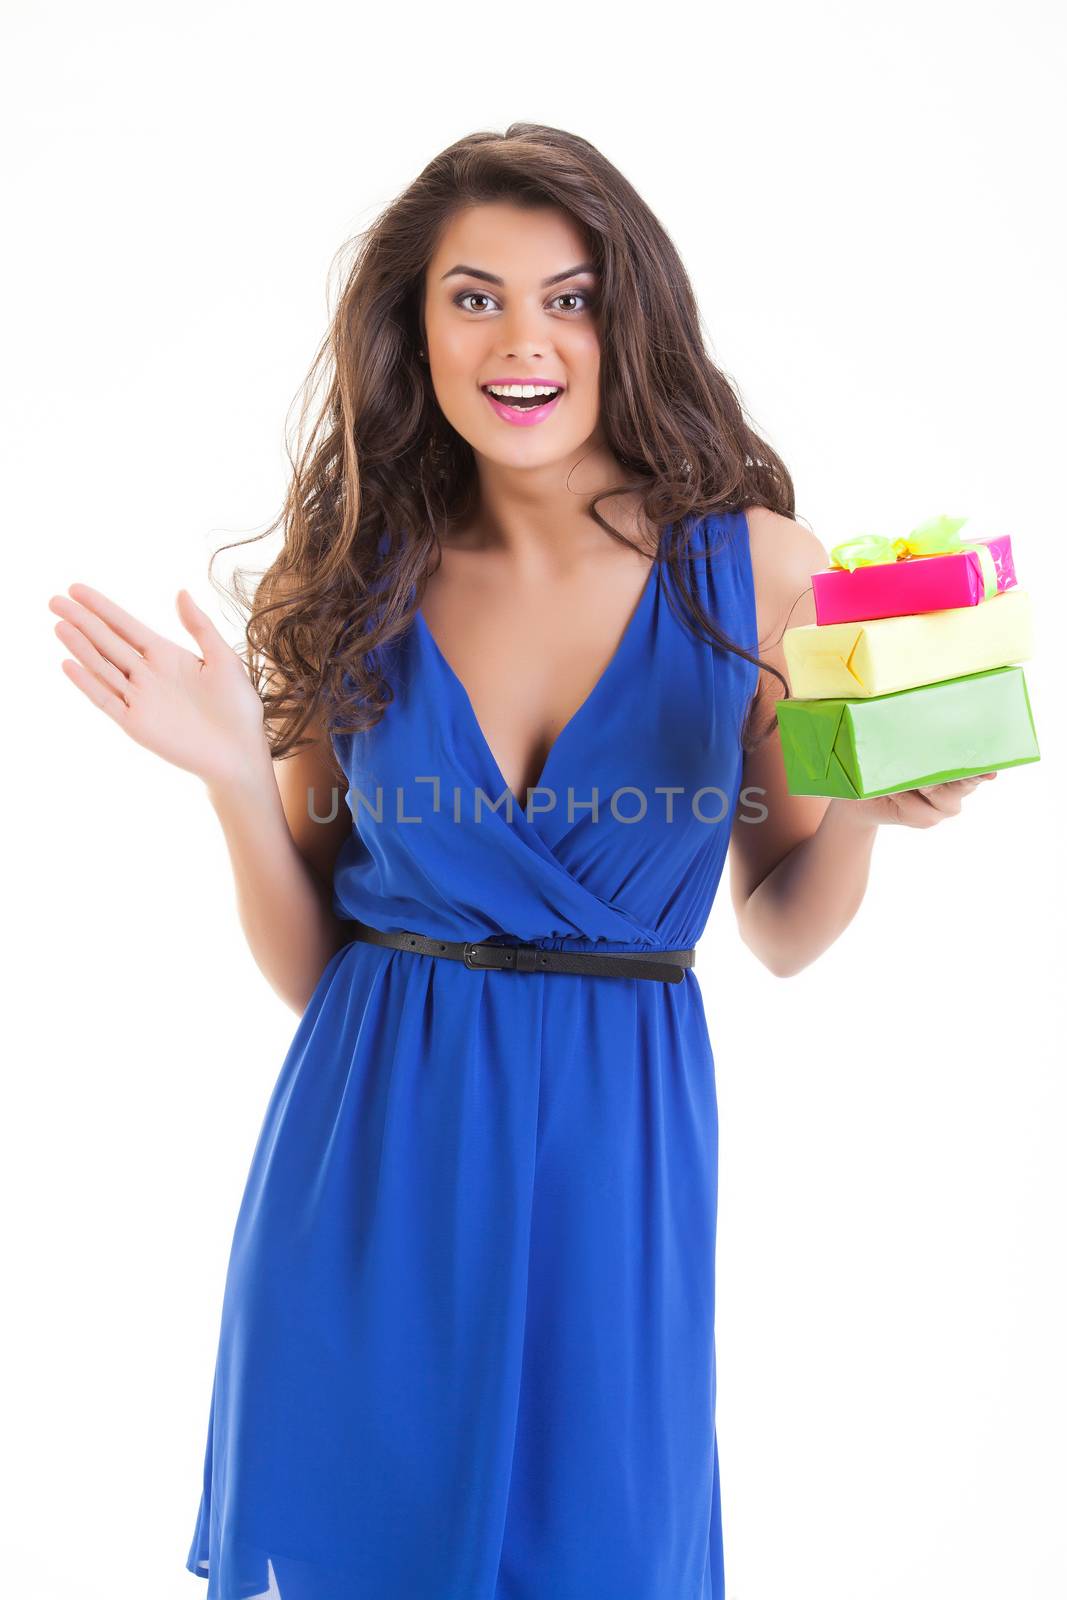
467,1333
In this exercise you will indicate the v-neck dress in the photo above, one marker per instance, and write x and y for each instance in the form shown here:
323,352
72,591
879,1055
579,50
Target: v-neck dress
467,1333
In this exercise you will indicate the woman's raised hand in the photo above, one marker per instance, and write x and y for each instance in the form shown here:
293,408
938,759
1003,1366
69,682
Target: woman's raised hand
200,712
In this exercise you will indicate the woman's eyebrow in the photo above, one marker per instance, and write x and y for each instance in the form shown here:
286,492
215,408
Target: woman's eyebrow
491,277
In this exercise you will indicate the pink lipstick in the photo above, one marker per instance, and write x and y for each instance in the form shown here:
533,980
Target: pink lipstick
523,418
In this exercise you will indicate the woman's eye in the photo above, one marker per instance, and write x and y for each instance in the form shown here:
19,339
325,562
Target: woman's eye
470,294
575,294
568,294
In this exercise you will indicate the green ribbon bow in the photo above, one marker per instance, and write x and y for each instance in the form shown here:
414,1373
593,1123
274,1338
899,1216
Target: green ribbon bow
939,536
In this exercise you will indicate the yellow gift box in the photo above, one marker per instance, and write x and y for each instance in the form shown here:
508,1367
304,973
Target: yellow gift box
853,660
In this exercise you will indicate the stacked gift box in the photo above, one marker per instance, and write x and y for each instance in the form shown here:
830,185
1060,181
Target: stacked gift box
909,676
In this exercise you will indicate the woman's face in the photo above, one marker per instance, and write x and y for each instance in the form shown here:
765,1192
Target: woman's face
504,304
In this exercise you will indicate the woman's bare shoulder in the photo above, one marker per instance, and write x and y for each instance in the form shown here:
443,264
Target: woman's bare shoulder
784,553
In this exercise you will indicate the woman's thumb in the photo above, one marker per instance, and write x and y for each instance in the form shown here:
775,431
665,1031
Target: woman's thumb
197,621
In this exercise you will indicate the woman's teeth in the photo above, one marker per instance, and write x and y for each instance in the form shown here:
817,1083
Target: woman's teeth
523,396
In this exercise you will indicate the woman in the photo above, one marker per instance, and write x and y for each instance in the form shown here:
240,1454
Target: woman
467,1341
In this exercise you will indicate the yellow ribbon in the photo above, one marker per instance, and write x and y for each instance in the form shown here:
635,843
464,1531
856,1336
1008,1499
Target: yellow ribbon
939,536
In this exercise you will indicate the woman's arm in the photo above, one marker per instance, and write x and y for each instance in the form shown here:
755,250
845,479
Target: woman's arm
798,873
282,859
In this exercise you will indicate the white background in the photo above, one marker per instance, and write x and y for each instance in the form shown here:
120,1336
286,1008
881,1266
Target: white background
869,202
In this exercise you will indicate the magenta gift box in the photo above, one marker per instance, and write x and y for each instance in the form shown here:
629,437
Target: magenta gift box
910,586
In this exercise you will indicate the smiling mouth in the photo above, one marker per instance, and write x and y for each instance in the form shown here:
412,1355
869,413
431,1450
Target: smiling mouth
523,403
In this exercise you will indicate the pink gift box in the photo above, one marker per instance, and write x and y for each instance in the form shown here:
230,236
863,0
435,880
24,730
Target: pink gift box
910,586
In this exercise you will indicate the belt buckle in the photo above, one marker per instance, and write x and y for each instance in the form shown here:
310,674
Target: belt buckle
508,957
474,948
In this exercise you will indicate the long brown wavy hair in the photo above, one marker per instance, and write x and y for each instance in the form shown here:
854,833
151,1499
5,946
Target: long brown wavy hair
381,472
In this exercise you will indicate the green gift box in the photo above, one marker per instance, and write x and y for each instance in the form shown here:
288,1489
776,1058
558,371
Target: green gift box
929,734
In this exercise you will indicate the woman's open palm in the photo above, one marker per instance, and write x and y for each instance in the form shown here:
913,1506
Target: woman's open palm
200,712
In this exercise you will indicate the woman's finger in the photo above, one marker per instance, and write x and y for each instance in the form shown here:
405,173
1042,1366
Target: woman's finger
134,632
943,798
101,696
948,798
200,625
918,810
125,626
99,666
110,644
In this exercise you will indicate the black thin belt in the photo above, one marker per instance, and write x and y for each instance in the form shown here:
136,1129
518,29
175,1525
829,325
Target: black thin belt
666,965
